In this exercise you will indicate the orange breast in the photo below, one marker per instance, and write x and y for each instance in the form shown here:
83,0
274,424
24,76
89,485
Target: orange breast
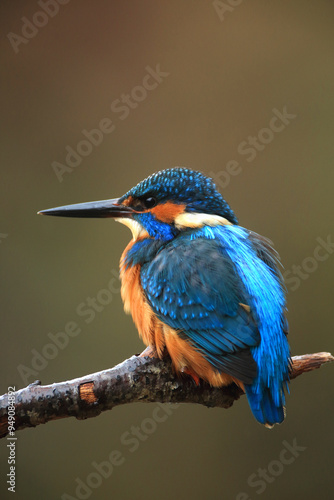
135,303
159,335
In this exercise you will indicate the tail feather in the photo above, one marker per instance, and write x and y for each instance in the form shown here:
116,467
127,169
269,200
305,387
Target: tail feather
264,408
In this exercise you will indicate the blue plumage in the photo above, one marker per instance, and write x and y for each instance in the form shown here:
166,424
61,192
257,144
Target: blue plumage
201,287
195,280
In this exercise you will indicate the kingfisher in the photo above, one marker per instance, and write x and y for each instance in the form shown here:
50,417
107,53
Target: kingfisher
201,288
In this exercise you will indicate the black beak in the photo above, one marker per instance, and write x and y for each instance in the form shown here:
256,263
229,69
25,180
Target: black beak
104,208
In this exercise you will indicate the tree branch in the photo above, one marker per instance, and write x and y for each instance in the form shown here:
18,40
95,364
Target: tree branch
137,379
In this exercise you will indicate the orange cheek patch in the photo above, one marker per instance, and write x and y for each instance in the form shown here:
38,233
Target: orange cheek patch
167,212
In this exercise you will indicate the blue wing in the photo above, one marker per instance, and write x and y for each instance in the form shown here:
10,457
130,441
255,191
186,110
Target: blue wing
193,287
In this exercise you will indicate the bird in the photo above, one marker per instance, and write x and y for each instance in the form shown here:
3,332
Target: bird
202,289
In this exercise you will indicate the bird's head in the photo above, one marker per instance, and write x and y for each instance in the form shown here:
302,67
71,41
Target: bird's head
160,206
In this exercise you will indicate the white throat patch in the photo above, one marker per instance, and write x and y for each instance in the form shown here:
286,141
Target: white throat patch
137,229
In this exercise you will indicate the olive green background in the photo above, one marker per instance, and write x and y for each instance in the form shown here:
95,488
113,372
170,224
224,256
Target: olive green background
225,76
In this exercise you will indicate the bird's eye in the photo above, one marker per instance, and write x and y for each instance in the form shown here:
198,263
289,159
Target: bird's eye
149,202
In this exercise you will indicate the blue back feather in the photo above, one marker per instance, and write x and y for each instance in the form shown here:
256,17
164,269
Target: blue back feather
272,356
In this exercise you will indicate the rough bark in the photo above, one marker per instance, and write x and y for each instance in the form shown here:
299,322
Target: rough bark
137,379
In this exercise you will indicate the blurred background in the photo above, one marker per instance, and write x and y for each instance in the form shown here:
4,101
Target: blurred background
195,84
